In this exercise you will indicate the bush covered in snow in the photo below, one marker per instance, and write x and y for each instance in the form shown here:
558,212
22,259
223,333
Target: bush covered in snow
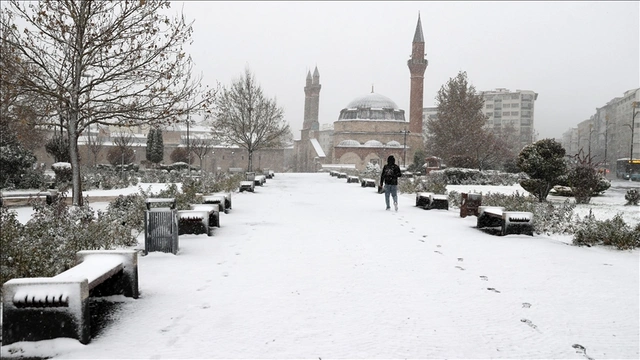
47,244
632,196
612,232
544,162
15,161
462,176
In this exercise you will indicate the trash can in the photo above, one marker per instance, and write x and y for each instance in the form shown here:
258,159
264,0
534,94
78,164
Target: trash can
161,226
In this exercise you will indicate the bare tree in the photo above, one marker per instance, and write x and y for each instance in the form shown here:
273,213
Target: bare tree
116,63
200,147
244,116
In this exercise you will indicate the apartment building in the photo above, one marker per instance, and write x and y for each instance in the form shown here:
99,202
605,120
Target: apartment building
505,108
607,134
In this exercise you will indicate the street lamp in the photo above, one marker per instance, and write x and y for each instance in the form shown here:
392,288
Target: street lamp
633,119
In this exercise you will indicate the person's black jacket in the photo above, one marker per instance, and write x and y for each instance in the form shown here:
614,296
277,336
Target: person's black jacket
390,172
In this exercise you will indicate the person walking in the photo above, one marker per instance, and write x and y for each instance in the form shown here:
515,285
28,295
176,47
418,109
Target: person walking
389,177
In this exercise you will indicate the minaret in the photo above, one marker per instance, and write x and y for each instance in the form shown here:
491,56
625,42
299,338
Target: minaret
312,101
417,65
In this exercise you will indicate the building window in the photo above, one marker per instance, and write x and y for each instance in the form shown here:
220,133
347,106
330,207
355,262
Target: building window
490,114
515,96
515,113
489,106
506,105
515,105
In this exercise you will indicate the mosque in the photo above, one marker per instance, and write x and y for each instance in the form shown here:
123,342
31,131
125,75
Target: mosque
369,129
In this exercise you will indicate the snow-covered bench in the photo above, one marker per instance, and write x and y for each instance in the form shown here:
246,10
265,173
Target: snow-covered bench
35,309
368,183
341,175
48,195
428,201
227,200
353,179
219,200
333,173
248,185
259,180
510,222
203,216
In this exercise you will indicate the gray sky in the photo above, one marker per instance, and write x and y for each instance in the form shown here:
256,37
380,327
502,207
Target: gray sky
576,55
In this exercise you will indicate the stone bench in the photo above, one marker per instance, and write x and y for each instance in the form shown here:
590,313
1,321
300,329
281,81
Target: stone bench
510,222
248,185
352,179
47,195
368,183
341,175
35,309
428,201
259,180
219,200
208,217
227,200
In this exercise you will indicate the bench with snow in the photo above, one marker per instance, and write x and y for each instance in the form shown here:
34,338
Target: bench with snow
428,201
35,309
219,200
248,185
510,222
22,195
333,173
341,175
200,220
353,179
469,204
259,180
368,183
227,200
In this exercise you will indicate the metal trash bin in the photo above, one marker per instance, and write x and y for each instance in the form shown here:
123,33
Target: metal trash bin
161,226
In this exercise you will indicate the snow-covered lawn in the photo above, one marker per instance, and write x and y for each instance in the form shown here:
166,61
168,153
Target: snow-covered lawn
310,266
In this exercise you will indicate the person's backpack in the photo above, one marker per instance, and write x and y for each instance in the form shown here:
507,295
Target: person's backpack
388,174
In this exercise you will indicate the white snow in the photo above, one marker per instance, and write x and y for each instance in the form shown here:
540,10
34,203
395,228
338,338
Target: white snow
311,267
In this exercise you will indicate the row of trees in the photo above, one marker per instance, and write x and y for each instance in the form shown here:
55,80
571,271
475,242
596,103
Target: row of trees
71,64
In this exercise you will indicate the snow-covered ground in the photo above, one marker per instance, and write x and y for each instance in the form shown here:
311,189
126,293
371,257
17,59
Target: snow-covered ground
310,266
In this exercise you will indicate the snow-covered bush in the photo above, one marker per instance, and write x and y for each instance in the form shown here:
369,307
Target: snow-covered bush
191,225
15,161
371,171
464,176
47,244
611,232
544,162
63,173
632,196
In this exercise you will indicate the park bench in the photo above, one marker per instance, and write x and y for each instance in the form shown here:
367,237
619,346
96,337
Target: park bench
219,200
259,180
341,175
469,204
368,183
35,309
428,201
510,222
198,221
22,195
333,173
227,200
214,215
353,179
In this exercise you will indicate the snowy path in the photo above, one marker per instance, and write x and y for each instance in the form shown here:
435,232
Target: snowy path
312,267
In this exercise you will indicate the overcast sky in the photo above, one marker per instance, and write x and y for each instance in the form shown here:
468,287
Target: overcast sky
576,55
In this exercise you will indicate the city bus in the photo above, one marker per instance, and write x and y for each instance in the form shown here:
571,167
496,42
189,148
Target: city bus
628,170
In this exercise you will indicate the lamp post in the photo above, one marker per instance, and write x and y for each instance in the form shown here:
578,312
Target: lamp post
606,133
633,119
590,132
188,145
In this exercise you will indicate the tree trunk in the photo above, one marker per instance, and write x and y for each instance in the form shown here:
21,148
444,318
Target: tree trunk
250,158
75,161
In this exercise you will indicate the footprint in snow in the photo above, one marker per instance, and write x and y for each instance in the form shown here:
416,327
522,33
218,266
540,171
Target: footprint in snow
493,289
484,278
581,350
526,305
532,325
438,252
460,259
459,267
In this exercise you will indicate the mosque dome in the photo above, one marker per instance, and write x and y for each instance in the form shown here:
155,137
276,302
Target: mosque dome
372,107
373,143
393,143
350,143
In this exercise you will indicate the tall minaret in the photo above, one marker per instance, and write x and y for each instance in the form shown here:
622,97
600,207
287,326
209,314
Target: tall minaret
312,101
417,65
